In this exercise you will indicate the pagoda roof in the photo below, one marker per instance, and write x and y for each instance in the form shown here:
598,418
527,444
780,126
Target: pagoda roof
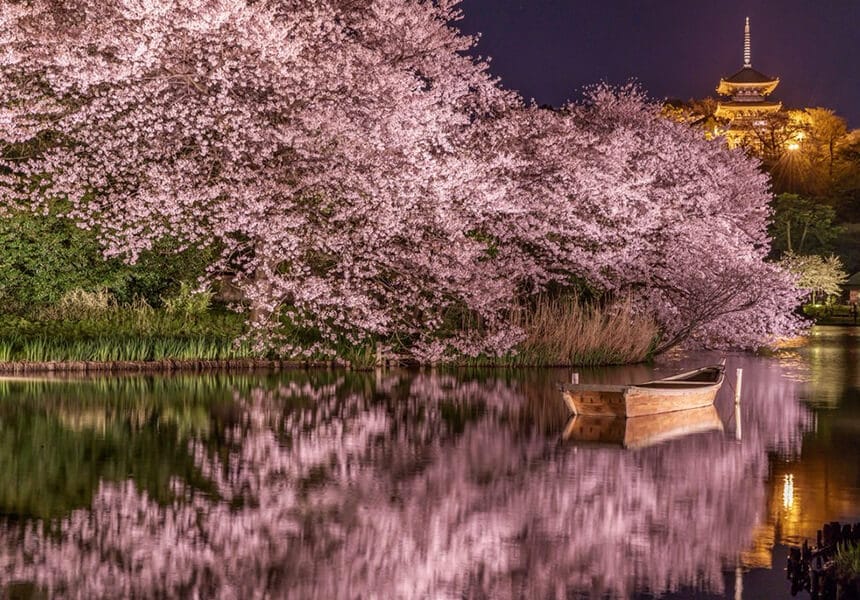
760,104
748,75
749,80
731,110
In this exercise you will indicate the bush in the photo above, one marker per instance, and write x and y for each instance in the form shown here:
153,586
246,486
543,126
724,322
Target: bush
46,257
188,301
848,561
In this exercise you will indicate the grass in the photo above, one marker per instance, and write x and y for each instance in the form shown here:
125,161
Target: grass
848,561
107,348
562,332
91,326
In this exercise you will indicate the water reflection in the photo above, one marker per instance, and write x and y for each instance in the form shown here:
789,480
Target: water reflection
822,483
414,484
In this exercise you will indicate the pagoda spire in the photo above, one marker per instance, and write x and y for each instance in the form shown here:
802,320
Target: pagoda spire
747,53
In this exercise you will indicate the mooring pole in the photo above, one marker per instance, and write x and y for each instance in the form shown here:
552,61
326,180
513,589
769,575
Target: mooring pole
738,384
574,378
739,583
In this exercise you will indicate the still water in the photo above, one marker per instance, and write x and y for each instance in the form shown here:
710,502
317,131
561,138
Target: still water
420,484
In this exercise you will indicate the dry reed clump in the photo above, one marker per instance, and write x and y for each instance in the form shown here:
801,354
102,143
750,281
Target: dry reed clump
188,301
80,303
566,331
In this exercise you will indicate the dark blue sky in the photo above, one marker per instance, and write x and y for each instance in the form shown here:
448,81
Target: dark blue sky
549,49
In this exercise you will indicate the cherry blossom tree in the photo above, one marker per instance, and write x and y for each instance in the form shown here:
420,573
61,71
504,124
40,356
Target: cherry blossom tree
314,144
816,274
635,204
359,175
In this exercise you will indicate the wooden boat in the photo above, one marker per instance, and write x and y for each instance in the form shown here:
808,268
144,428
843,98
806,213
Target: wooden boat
639,432
693,389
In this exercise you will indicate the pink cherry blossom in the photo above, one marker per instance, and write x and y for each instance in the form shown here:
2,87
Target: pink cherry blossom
359,174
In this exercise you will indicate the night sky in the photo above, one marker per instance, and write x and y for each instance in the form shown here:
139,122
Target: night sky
549,49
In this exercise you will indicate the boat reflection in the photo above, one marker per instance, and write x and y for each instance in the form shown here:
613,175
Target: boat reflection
640,432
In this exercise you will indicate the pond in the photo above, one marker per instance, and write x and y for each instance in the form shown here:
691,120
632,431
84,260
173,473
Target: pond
421,484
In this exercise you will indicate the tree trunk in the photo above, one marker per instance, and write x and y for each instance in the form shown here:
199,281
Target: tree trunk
260,313
803,237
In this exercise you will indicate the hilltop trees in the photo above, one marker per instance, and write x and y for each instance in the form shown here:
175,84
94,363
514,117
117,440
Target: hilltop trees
359,177
801,225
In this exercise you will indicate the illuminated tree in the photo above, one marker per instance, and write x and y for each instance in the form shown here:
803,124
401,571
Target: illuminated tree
826,130
636,204
313,145
822,275
360,177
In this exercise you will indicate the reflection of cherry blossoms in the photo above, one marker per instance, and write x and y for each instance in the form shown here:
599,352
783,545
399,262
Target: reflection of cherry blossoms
421,486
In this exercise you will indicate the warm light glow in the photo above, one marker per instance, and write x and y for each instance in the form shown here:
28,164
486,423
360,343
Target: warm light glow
800,136
793,146
788,491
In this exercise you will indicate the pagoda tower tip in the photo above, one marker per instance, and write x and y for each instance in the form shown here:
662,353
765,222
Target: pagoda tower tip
747,53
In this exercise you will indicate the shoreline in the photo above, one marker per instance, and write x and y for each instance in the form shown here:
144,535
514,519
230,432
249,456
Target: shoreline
165,366
21,370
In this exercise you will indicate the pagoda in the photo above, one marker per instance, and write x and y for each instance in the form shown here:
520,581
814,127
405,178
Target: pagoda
748,91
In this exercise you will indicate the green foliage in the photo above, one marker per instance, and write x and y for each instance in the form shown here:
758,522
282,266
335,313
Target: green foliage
93,326
848,561
46,256
114,348
801,225
847,245
188,302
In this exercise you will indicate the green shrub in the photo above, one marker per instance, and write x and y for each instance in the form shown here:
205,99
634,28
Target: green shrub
47,256
188,301
848,561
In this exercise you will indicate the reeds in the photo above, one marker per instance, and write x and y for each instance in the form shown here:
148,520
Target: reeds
107,348
566,331
92,327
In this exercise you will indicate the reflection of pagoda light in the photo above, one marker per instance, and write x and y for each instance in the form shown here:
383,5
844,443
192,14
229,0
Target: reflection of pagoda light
788,491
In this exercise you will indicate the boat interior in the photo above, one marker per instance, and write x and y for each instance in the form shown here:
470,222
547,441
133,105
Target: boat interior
706,376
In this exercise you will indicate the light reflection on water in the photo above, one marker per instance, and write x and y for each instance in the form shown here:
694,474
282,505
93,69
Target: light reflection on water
417,484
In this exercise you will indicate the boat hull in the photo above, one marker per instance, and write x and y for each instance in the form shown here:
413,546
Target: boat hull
682,392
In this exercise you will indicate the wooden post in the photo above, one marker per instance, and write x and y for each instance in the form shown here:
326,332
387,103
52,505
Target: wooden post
569,401
574,378
739,583
738,383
